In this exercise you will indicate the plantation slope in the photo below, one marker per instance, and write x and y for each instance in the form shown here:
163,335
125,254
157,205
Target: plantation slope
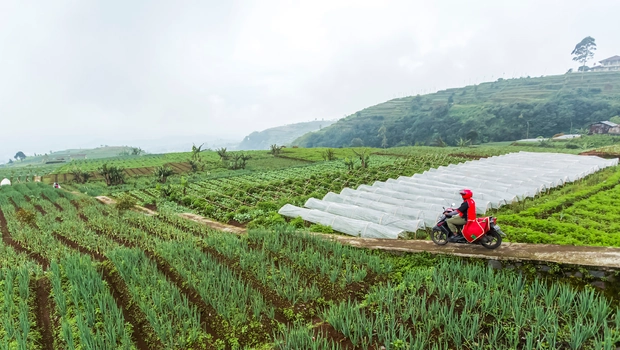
503,110
281,135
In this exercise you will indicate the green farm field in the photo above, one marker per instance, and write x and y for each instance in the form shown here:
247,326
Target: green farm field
77,274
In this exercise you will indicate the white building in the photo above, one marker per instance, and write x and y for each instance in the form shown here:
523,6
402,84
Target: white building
608,64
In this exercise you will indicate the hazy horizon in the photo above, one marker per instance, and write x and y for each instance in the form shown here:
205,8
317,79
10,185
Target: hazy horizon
81,74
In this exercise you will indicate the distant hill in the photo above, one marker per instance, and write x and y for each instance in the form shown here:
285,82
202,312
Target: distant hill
68,154
503,110
281,135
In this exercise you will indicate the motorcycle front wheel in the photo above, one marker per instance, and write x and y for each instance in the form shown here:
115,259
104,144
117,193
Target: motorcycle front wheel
491,240
439,237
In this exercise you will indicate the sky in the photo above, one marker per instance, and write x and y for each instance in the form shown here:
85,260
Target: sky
80,73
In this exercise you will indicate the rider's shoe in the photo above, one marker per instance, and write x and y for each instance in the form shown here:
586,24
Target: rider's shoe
456,238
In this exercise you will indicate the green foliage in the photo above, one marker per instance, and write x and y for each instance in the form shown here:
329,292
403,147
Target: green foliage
586,214
162,173
320,228
275,150
20,155
112,175
584,50
80,176
357,142
237,160
125,202
272,220
329,155
506,110
298,222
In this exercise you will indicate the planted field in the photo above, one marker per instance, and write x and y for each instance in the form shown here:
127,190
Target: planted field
584,213
258,196
78,274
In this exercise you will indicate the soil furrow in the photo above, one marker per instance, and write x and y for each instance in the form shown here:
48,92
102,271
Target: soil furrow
8,240
54,203
44,304
279,303
142,334
76,246
210,319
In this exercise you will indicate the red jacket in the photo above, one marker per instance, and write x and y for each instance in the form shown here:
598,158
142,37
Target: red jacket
467,210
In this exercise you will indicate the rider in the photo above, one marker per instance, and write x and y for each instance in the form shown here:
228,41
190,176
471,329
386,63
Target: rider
466,211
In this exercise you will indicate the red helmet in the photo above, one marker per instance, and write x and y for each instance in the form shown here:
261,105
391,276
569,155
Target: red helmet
466,193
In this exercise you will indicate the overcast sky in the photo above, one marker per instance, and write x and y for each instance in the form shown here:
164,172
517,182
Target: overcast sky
85,72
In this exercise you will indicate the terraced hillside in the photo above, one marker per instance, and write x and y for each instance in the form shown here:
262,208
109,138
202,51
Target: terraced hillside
496,111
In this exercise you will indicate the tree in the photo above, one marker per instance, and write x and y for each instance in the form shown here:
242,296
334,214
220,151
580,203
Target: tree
196,152
80,176
357,142
463,143
275,150
383,135
328,154
583,51
162,173
136,151
112,175
222,153
364,156
238,160
20,155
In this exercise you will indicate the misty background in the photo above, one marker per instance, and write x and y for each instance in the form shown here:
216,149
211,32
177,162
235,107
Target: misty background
155,73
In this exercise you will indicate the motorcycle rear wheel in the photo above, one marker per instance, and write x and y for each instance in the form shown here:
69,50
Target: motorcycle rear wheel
491,240
439,237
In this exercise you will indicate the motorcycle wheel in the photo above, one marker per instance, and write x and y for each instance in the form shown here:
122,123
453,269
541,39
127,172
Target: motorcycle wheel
491,240
439,237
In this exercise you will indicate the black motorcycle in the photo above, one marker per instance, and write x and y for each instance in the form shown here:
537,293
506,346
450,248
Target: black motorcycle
491,237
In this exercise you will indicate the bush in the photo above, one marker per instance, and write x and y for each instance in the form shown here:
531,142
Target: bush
321,228
125,202
298,222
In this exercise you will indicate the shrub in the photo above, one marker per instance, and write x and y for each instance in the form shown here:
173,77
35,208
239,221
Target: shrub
321,228
125,202
298,222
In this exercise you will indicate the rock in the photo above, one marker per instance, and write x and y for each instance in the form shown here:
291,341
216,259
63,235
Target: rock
495,264
597,274
598,284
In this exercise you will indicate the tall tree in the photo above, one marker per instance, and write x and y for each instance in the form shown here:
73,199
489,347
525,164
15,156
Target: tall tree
583,51
196,151
20,155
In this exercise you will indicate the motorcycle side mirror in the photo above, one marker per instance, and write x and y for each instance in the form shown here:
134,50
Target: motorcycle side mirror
453,204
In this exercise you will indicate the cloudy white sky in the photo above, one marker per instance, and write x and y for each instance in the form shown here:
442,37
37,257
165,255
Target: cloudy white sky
85,72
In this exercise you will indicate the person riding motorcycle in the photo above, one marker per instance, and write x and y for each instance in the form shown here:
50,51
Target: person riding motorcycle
467,211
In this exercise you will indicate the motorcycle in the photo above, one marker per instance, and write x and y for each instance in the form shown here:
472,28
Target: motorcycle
490,238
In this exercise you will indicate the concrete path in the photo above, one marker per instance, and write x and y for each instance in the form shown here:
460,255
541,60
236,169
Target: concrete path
561,254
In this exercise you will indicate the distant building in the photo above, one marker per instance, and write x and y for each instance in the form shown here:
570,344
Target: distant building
604,127
608,64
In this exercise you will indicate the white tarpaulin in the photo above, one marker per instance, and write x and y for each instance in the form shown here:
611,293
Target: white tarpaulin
495,181
342,224
360,213
5,182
